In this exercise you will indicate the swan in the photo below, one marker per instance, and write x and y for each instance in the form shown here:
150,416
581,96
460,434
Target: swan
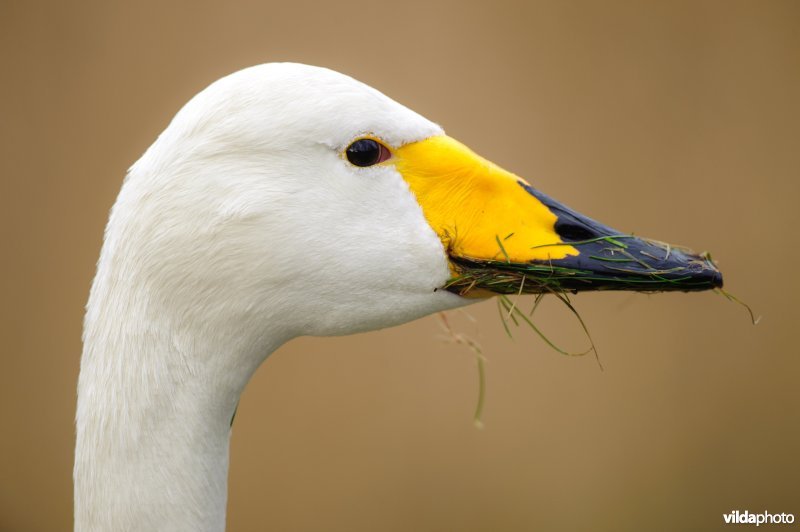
287,200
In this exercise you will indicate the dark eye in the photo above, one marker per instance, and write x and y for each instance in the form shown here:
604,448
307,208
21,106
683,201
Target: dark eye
366,152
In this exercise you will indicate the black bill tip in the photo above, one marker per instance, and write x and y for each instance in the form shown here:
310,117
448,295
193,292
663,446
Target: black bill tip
606,260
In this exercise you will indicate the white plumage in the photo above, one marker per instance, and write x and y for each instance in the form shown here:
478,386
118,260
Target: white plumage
240,228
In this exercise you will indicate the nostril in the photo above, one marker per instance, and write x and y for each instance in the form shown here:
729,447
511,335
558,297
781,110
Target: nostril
574,232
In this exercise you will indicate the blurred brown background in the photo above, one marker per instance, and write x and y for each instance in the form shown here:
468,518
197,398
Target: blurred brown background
676,120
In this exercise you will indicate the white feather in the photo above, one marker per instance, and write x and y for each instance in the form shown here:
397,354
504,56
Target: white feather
240,228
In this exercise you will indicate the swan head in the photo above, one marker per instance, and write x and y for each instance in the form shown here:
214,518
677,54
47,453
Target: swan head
292,194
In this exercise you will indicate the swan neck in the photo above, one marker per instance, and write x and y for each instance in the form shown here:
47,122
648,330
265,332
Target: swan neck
155,407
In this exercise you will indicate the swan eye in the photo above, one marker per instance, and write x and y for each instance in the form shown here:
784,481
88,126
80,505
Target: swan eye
366,152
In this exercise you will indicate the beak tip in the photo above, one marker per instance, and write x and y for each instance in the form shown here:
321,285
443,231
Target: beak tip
709,276
716,278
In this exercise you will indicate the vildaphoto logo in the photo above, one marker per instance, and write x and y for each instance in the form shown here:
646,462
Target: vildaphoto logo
746,518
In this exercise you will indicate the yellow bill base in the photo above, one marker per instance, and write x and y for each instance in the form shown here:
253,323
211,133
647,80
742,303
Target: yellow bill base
478,209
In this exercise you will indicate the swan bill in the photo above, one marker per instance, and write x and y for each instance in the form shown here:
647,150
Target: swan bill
502,235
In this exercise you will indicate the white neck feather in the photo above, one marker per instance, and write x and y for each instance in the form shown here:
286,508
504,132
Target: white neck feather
156,399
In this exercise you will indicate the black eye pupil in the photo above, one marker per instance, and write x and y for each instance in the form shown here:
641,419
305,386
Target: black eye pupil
364,152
